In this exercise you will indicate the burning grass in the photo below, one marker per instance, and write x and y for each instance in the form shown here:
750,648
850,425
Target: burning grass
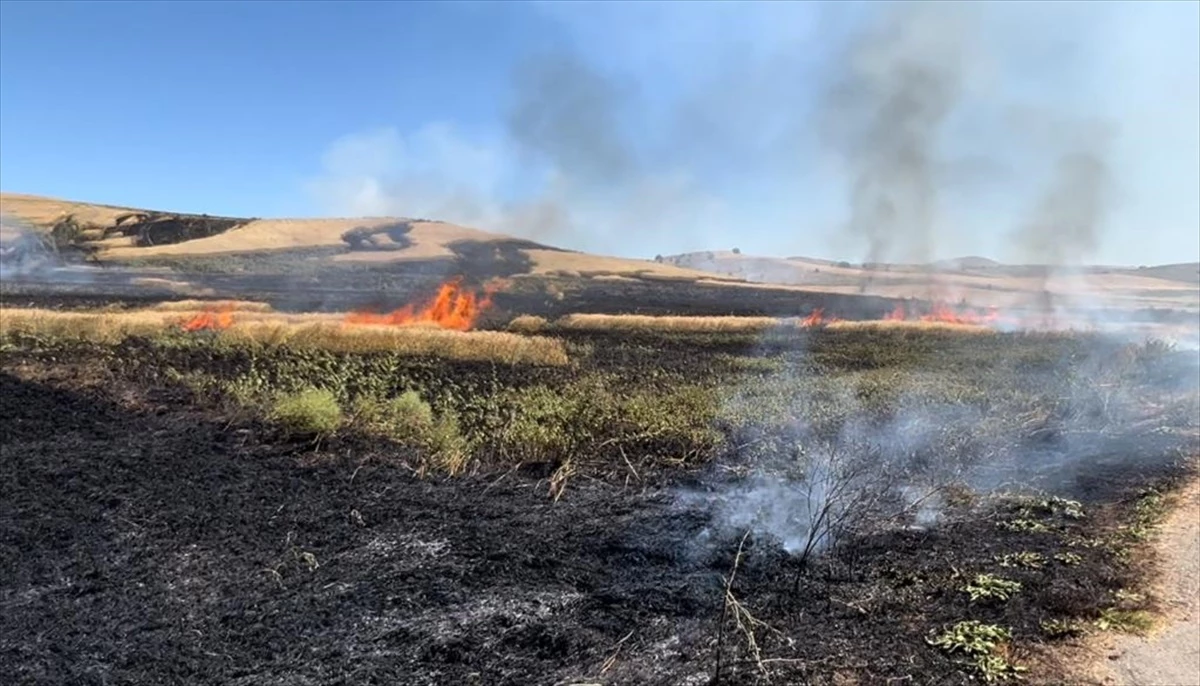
912,324
301,331
453,307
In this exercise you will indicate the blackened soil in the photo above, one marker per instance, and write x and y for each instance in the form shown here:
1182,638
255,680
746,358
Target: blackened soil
143,542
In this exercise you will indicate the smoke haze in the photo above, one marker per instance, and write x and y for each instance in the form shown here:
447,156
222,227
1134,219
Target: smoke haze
871,132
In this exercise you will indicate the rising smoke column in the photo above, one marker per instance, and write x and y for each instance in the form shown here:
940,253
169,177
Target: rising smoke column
896,87
1064,227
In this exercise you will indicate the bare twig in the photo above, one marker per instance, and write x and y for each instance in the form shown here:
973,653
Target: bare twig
612,659
746,622
630,465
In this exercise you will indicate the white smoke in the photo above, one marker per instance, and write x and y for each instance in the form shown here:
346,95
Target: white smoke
668,128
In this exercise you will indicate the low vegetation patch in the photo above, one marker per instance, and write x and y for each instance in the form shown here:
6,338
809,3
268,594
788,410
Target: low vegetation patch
634,322
991,588
1064,628
410,420
1126,621
1028,560
313,411
982,644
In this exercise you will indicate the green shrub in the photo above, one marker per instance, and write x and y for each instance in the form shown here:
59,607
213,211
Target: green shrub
545,424
406,418
979,641
1029,560
971,637
447,446
988,587
995,668
1063,628
409,419
1069,559
311,411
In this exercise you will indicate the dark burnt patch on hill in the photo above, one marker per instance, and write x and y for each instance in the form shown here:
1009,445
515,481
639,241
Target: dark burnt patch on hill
389,237
147,229
483,260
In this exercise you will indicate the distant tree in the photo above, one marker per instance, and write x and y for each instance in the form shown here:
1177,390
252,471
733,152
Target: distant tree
843,264
737,251
658,258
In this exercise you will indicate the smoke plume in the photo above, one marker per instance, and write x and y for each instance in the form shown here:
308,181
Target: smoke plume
1065,224
885,114
870,132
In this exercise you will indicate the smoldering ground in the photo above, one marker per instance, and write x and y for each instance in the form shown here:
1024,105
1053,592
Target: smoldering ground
844,457
213,539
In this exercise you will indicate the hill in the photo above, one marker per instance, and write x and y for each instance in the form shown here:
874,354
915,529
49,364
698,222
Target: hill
977,280
310,254
126,235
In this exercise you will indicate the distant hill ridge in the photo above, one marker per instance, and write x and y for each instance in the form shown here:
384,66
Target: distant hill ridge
113,233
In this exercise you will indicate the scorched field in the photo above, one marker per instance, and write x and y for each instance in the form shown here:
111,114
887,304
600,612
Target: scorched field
222,494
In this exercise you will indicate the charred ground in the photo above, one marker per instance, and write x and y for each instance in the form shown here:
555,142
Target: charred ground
160,525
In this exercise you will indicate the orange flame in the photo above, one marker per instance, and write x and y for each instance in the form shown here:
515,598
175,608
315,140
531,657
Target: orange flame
941,312
209,320
452,308
817,318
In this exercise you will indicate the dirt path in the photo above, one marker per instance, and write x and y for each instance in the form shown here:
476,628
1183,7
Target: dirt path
1171,655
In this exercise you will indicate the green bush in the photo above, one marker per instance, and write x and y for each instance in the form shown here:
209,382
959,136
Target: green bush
409,419
406,418
447,446
310,411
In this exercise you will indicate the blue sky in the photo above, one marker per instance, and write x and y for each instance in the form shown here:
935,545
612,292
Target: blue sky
621,127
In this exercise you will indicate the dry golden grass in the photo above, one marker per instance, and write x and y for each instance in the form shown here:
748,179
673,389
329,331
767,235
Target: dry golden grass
430,240
495,346
41,211
323,331
193,306
528,323
636,322
103,327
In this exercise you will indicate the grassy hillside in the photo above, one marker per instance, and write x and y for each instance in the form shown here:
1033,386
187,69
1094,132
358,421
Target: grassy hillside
398,245
121,234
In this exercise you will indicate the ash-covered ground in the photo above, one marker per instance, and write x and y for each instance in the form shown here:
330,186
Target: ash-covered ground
150,535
